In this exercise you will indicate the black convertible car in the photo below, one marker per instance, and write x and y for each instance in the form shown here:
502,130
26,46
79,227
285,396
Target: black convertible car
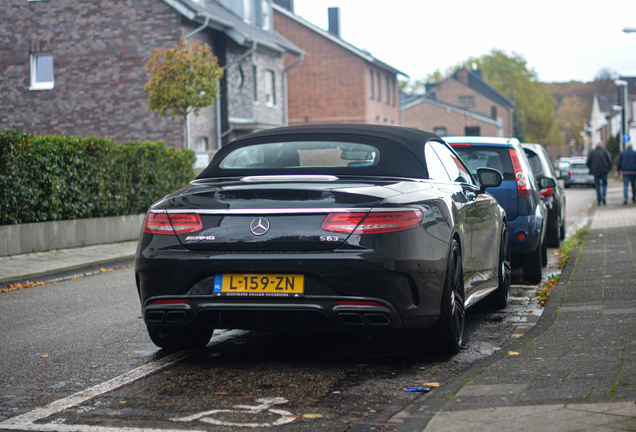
324,227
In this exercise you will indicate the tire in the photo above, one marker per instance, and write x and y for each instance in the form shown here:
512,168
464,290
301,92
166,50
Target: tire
450,327
544,253
499,297
562,231
553,237
180,338
532,264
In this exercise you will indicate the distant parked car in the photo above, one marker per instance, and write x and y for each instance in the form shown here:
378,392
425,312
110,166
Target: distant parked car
553,197
518,194
579,174
562,163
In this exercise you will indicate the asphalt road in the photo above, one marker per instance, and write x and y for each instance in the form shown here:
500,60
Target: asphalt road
75,337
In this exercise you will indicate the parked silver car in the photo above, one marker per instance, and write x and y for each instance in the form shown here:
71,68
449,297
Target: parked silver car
579,174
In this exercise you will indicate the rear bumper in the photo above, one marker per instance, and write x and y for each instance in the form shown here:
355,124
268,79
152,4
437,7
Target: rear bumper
407,293
310,314
531,227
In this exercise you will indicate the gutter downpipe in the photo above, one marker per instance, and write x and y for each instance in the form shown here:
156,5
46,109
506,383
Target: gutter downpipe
188,36
285,108
220,135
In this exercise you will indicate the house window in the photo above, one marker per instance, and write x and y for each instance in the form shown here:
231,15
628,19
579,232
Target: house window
388,91
472,131
467,101
247,11
266,14
255,82
440,131
371,86
493,112
41,71
433,95
379,88
270,88
201,144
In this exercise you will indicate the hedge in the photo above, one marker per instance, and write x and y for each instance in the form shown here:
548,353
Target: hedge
49,178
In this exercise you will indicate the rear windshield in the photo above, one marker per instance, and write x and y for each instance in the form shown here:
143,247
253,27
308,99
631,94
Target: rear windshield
302,154
487,157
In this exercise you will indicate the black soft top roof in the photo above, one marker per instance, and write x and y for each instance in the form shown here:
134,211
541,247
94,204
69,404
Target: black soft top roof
401,149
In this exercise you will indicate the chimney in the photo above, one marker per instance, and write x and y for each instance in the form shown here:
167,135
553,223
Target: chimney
334,21
462,76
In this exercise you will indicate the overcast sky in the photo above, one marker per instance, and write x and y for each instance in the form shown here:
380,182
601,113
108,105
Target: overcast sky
561,40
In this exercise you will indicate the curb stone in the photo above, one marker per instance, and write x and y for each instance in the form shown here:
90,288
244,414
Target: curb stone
422,411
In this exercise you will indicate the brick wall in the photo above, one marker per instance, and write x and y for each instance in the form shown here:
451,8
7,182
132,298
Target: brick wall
330,84
428,116
99,48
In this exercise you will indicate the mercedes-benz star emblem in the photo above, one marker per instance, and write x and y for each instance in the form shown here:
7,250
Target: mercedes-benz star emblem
259,226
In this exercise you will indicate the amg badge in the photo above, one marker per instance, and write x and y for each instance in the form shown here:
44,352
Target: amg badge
200,238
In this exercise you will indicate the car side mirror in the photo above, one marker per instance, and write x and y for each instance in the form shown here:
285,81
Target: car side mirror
564,175
488,178
546,182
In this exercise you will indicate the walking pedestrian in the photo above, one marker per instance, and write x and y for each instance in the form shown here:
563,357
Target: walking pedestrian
599,162
626,166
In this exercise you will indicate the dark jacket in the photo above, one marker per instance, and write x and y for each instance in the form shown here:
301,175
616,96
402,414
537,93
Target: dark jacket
599,162
627,161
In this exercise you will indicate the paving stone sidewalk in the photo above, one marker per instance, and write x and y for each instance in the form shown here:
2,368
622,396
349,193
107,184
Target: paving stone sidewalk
64,263
576,369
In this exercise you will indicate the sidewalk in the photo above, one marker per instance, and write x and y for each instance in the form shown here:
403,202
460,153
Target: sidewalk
576,369
64,263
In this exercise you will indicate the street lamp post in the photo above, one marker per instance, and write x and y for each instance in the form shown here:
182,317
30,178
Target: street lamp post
622,83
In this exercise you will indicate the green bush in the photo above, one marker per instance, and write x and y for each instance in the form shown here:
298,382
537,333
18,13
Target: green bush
47,178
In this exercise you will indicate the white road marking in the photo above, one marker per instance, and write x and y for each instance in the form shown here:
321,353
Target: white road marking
266,403
26,421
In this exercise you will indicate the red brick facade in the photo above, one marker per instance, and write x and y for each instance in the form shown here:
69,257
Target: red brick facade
99,50
432,116
333,83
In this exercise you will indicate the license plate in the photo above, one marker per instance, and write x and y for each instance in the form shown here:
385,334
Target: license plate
258,285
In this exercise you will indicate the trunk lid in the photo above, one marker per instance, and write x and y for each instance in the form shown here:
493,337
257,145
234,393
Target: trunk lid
281,215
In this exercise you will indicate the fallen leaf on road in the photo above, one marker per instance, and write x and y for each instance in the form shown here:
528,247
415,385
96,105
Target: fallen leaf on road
601,235
431,384
519,335
608,276
495,348
513,353
312,416
122,402
291,416
221,393
44,356
355,419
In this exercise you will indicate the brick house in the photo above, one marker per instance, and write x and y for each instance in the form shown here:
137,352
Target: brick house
466,90
336,82
421,112
79,67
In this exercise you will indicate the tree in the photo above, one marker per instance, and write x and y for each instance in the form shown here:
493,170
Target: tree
534,104
182,79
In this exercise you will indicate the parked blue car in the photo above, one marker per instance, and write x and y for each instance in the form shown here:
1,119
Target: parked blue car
519,195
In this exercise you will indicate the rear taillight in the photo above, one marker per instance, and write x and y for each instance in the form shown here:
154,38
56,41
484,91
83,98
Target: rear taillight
373,222
461,145
522,183
546,192
162,223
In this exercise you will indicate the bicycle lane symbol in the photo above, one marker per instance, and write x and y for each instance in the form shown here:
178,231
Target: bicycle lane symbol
265,405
